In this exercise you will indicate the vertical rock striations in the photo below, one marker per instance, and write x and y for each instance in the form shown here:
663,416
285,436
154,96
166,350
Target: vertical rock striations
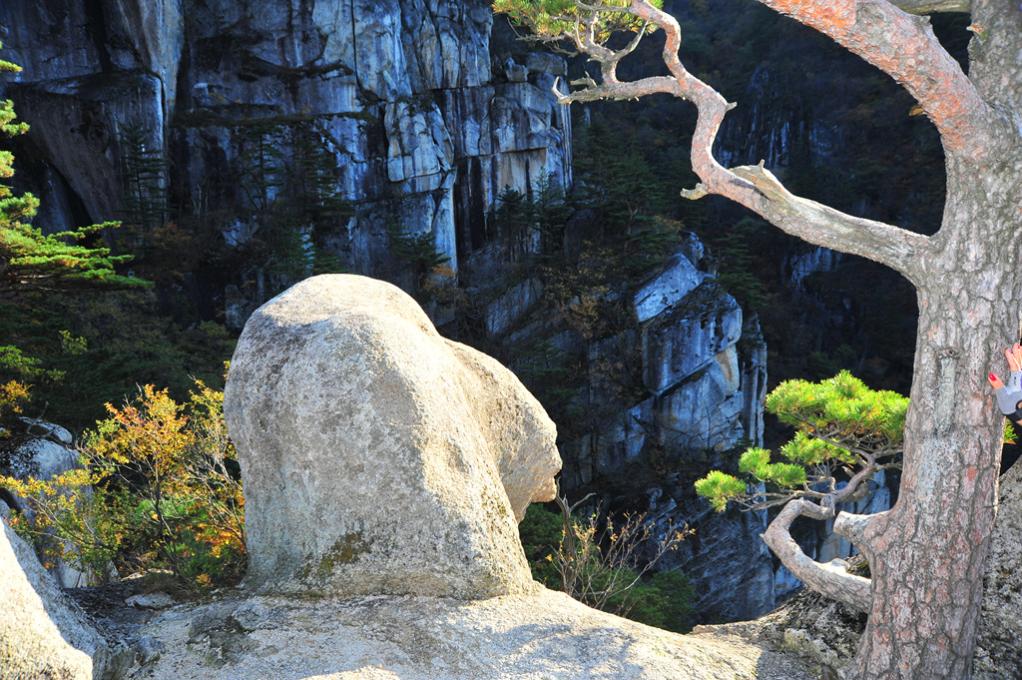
401,95
423,119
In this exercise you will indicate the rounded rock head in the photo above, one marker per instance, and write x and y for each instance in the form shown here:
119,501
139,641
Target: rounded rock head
377,456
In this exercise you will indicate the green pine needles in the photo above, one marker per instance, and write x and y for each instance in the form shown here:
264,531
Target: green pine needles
31,260
555,20
841,427
290,187
144,178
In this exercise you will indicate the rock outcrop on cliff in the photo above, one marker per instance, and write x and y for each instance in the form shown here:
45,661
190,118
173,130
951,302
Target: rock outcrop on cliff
379,457
704,374
422,125
660,399
342,394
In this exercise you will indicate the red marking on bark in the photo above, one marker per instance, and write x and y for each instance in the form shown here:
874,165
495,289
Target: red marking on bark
971,473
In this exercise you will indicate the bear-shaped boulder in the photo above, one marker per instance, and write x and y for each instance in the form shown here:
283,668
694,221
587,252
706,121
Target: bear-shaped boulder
379,457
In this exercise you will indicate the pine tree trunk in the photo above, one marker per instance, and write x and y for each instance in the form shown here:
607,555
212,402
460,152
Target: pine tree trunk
927,555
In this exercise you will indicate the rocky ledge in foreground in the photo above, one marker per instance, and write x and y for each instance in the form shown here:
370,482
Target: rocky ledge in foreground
385,471
544,635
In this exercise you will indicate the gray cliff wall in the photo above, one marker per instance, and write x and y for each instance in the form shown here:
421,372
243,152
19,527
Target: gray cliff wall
676,391
425,133
425,122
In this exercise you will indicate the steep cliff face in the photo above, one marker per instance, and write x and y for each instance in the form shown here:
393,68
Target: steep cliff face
673,390
419,117
402,96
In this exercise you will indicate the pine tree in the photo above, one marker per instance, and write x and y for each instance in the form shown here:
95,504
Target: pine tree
313,195
290,185
145,180
841,426
31,260
512,220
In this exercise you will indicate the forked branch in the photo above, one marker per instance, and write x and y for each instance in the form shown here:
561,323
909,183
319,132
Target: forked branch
754,187
904,47
831,579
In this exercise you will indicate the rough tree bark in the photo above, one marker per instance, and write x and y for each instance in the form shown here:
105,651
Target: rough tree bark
927,553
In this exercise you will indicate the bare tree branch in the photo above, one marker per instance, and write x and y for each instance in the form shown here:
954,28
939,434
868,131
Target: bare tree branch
755,187
904,47
932,6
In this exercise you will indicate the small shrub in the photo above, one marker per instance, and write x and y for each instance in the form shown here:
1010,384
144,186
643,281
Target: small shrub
608,564
157,488
417,251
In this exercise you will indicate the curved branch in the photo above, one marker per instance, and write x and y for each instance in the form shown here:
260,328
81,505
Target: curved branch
621,90
831,579
932,6
904,47
755,188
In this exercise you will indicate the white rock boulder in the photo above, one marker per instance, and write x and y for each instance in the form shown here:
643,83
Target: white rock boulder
50,452
379,457
42,634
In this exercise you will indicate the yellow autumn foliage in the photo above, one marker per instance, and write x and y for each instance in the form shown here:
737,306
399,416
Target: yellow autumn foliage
158,488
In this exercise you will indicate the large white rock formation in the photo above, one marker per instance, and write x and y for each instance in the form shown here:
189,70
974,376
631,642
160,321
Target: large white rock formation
42,634
379,457
386,468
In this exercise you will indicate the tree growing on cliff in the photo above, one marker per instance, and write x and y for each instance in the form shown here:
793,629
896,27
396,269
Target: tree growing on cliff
845,433
927,554
31,260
